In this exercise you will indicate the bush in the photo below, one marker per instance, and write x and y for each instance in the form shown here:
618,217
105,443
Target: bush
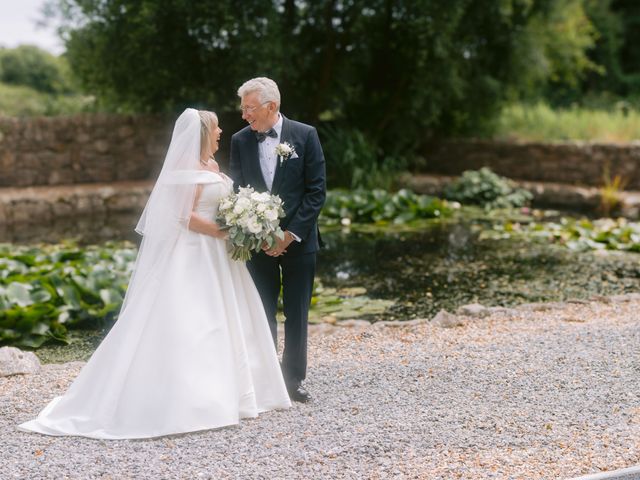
356,162
20,101
485,188
620,122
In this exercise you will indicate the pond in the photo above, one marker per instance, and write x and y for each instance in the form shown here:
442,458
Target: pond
448,265
441,265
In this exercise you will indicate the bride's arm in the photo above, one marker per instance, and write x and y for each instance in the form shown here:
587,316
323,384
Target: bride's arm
206,227
202,225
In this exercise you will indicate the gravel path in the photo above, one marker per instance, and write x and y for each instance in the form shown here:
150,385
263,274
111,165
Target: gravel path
538,392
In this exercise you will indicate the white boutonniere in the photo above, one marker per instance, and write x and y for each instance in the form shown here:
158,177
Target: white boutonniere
285,151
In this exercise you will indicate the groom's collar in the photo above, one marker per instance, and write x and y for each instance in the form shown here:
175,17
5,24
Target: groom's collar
278,126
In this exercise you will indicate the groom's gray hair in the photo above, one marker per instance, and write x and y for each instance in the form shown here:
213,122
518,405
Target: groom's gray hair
267,90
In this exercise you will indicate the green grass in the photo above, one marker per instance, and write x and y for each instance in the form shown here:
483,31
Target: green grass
20,101
540,122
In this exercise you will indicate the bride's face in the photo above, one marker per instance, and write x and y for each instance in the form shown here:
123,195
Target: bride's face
216,131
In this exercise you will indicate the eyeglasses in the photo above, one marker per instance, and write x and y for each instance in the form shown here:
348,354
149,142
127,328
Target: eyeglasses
245,109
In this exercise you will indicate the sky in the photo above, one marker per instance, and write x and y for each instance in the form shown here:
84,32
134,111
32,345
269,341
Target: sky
18,20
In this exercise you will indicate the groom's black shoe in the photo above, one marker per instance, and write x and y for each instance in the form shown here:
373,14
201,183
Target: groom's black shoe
298,393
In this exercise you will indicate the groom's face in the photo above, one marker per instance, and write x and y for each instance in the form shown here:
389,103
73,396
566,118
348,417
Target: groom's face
260,116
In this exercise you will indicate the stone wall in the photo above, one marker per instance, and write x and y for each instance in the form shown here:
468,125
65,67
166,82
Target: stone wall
38,205
88,211
577,163
104,165
81,149
101,148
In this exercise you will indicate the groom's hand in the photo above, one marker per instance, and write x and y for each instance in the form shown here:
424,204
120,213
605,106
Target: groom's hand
280,246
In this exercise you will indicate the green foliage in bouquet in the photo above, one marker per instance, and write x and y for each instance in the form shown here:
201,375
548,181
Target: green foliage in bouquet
485,188
46,289
380,206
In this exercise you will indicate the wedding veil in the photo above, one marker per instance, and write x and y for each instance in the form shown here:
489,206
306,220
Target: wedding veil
170,204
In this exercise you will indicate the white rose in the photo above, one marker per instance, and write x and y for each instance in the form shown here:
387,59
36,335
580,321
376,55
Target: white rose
253,225
260,196
243,221
271,214
242,205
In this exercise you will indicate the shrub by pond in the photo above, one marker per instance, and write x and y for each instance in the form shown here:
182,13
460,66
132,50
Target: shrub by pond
487,189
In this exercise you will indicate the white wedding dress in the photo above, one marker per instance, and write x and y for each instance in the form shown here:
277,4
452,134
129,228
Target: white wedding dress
191,350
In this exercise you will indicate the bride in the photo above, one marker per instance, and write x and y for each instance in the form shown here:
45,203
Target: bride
191,349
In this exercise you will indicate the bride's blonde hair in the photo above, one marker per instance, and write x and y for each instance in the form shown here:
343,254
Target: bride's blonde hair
208,121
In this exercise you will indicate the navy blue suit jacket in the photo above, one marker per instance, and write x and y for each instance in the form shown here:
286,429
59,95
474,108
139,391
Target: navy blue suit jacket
300,182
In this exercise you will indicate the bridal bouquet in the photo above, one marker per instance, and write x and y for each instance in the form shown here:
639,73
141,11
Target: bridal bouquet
251,219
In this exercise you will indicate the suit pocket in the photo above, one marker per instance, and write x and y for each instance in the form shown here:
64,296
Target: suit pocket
294,165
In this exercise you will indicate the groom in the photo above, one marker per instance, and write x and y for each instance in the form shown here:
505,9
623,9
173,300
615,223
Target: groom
299,179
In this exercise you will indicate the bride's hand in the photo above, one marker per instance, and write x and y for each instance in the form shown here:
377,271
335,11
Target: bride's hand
218,232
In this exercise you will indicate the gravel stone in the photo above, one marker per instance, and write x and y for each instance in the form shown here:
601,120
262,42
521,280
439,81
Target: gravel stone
473,310
14,361
399,323
353,323
445,319
519,396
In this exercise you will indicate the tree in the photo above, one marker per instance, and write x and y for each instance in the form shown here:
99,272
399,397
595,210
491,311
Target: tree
617,26
629,11
618,22
33,67
394,71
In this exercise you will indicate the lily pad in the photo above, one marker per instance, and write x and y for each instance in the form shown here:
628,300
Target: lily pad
19,294
352,291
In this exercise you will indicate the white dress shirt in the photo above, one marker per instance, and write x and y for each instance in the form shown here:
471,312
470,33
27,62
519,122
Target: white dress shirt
267,153
269,159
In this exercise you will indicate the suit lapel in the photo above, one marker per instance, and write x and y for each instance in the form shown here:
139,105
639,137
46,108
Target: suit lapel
285,136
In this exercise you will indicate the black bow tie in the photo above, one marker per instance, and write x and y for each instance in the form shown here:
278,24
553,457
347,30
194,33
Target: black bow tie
269,133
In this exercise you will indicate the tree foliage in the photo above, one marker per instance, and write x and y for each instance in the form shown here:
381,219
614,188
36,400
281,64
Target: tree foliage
395,71
615,52
618,22
33,67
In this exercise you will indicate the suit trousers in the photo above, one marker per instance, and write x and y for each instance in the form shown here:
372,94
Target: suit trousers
294,274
